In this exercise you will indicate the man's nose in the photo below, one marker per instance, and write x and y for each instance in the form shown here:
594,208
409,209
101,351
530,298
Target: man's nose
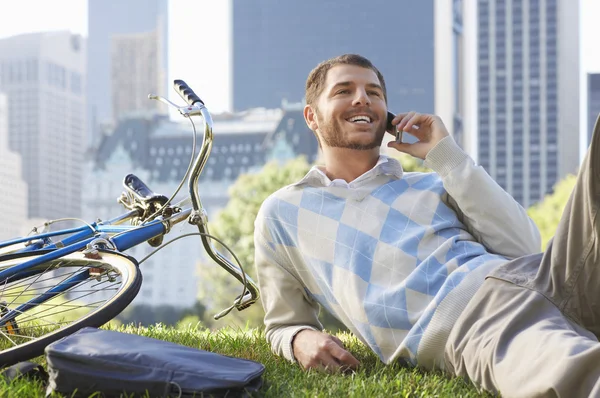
361,98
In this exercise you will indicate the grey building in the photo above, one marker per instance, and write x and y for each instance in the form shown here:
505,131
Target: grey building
158,151
110,23
415,43
593,92
43,76
528,81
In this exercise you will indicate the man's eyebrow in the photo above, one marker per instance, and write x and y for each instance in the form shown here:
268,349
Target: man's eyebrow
375,85
341,84
346,84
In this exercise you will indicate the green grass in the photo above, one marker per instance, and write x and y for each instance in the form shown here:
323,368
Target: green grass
283,379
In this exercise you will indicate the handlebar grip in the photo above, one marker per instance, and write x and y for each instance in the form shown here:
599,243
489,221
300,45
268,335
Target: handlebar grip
186,92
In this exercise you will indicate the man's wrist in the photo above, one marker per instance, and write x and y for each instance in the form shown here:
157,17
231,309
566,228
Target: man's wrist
293,338
445,156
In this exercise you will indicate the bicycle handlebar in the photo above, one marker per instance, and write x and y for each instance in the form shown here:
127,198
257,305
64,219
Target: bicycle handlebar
198,215
186,92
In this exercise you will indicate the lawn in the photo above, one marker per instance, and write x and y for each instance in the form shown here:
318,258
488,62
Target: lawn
282,379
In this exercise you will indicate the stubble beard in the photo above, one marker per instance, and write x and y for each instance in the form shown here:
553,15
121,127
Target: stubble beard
332,135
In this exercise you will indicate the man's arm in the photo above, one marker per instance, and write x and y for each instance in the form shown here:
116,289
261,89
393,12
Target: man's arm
492,215
489,212
291,317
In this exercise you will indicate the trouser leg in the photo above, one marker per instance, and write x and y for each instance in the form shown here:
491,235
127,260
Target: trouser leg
514,341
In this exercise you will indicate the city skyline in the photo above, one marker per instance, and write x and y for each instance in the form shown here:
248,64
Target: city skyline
210,19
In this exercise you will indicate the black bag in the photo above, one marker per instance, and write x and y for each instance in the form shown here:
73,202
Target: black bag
110,362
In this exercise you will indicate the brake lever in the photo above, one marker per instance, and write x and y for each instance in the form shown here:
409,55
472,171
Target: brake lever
244,303
186,111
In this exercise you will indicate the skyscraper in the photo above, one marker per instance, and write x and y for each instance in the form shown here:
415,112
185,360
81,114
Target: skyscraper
43,76
277,43
13,189
528,81
114,26
593,92
136,72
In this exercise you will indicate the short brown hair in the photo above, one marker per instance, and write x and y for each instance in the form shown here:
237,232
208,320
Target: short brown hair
316,78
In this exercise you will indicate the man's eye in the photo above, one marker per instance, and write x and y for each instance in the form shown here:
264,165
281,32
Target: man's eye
375,93
343,92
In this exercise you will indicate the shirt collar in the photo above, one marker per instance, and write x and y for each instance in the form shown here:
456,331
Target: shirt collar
385,165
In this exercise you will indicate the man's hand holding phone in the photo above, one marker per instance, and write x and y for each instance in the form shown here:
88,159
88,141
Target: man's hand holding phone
428,129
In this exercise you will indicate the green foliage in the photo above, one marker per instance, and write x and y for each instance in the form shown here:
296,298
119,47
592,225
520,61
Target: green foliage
547,213
190,322
284,379
235,223
235,226
147,315
410,164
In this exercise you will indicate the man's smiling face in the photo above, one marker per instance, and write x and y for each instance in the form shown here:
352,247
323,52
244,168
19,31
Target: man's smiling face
351,110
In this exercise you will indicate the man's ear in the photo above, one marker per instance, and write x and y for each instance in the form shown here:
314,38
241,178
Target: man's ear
311,118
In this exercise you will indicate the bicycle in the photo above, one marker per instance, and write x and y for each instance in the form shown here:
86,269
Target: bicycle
45,275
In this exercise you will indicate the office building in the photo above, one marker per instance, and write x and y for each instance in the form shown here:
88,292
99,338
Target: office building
528,91
127,58
13,189
43,77
593,111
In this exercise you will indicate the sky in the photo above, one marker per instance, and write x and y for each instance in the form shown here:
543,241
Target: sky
201,57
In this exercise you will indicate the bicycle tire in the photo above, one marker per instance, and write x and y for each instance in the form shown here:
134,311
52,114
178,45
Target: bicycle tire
131,279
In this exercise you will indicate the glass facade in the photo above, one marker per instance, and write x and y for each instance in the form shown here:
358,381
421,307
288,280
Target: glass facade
292,37
518,104
593,89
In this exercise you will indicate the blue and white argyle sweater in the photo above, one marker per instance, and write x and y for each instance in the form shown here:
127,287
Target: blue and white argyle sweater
380,253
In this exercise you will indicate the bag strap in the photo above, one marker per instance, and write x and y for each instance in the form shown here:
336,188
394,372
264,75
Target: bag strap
27,370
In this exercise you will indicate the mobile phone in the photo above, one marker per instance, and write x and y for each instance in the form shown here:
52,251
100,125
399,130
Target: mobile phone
401,136
391,128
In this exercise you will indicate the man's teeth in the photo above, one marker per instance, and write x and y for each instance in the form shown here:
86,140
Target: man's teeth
360,119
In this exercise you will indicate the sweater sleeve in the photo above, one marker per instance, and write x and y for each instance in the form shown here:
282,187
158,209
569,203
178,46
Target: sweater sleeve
288,309
492,215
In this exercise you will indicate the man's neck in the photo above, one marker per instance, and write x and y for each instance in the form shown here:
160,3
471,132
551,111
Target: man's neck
348,164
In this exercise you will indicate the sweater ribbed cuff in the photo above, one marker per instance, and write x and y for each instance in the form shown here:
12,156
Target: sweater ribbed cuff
445,156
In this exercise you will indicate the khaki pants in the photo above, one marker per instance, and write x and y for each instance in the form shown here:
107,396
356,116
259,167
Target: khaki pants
532,329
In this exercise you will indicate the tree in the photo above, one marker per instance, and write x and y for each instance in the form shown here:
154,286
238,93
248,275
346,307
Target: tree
235,223
410,163
235,226
547,213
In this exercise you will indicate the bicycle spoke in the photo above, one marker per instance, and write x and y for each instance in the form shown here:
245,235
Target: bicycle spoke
49,266
5,335
34,316
24,281
77,298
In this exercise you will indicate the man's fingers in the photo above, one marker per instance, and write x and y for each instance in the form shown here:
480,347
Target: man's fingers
342,356
398,118
417,150
324,362
406,117
402,147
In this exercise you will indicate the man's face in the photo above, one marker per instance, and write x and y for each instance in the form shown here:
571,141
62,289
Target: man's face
351,111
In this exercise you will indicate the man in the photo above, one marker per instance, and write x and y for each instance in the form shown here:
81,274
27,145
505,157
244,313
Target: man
436,269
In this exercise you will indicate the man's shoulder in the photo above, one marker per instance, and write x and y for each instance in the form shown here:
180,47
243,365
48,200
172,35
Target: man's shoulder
290,195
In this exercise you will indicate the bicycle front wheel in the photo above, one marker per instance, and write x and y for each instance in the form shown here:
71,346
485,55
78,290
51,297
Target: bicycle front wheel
59,297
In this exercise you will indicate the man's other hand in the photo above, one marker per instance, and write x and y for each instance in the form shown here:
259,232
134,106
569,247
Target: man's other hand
318,350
